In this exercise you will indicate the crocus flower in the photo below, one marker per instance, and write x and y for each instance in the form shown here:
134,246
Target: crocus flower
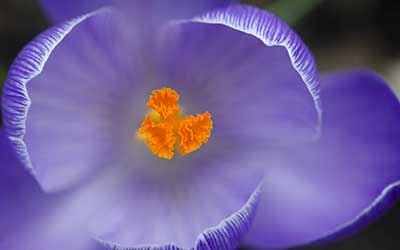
203,133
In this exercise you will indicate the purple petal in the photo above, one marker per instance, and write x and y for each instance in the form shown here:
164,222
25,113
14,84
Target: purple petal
182,203
382,203
66,129
28,217
337,185
243,63
163,10
62,10
229,233
225,235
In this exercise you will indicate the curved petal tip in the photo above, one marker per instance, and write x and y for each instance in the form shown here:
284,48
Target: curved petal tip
272,31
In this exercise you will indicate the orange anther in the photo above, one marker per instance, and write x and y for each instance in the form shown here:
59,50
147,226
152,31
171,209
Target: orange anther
165,127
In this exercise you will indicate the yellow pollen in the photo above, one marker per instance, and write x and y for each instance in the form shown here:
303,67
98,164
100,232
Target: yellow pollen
165,128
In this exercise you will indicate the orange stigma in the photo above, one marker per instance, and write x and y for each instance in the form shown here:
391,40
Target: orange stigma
165,128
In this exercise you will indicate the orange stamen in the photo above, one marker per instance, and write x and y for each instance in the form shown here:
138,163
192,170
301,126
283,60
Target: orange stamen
164,101
165,127
194,131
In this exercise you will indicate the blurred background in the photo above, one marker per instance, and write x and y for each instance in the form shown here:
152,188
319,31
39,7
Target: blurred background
341,33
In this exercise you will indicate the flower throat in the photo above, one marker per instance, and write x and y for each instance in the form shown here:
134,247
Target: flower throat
165,129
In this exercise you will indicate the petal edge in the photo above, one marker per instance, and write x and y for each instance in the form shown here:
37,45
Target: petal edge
226,235
269,29
29,64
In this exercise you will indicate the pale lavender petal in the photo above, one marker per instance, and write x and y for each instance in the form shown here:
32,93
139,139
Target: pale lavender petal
244,64
182,203
31,219
62,10
228,234
69,89
348,178
382,203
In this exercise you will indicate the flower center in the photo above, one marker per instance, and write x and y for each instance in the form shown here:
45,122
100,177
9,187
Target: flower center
165,128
